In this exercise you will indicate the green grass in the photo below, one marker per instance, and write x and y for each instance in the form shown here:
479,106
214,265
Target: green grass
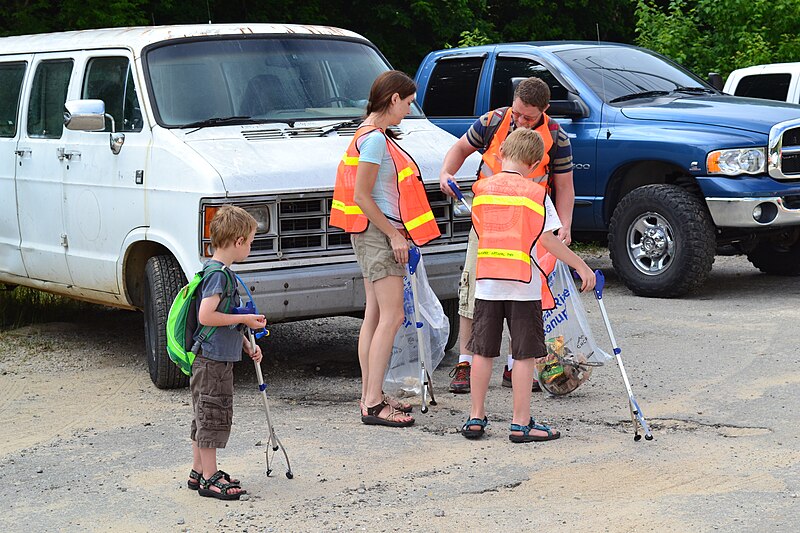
588,247
23,306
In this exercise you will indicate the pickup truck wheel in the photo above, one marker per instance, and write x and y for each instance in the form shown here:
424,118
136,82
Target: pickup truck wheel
451,310
661,241
779,254
163,278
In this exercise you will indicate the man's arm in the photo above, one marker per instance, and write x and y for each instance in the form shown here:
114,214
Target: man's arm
565,203
455,157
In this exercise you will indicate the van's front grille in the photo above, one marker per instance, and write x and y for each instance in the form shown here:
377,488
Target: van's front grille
302,227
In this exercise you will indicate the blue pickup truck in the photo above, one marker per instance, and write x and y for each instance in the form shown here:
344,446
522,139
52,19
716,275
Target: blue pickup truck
671,169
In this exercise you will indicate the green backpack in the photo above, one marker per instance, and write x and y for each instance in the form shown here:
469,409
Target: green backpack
182,323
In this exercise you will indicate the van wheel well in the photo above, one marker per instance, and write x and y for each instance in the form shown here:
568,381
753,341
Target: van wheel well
641,173
133,270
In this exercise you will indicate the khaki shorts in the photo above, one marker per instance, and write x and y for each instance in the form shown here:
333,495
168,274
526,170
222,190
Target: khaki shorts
211,385
375,255
524,320
466,287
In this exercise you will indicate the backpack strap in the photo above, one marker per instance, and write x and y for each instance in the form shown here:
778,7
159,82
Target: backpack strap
204,332
492,129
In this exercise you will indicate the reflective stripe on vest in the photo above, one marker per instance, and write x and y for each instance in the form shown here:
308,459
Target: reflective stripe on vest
508,214
491,163
415,211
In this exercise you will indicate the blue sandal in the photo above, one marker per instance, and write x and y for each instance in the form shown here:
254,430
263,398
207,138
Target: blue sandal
526,437
474,433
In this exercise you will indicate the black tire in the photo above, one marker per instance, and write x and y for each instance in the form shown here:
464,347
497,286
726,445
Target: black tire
163,278
451,310
778,254
661,241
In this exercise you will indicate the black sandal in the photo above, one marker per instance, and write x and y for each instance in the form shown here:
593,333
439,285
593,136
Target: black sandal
194,480
372,418
474,433
223,487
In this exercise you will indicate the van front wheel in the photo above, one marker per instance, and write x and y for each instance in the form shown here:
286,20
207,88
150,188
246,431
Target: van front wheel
163,278
450,308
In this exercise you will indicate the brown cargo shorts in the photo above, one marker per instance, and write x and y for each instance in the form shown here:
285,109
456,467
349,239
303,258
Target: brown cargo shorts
375,255
211,386
524,323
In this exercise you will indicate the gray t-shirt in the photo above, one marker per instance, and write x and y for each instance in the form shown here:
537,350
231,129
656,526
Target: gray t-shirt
226,342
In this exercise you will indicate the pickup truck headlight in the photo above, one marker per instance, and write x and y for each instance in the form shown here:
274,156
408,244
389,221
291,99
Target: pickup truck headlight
735,161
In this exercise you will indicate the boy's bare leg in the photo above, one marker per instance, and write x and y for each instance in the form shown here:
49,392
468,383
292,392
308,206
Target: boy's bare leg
464,333
481,372
521,382
208,456
197,463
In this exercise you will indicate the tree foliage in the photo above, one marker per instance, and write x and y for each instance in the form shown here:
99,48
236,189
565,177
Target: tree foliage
720,35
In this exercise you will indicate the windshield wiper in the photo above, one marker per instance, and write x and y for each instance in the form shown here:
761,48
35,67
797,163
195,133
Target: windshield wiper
220,121
634,96
340,125
695,90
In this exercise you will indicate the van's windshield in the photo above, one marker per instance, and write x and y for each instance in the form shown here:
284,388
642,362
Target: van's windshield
261,80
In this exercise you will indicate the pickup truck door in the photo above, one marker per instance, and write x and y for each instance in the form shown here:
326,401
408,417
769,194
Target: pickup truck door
12,78
104,194
582,132
40,171
450,97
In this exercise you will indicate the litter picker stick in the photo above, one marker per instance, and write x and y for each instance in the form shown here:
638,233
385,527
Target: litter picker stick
454,187
414,256
637,417
272,440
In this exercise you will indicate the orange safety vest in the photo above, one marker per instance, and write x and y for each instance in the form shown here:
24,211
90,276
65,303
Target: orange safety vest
508,214
415,211
491,156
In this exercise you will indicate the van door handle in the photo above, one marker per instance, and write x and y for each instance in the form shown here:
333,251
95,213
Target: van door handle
69,155
22,152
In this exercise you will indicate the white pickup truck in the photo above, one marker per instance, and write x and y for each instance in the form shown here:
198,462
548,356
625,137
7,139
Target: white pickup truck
776,81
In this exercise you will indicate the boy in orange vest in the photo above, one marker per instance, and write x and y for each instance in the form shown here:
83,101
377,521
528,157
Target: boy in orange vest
511,214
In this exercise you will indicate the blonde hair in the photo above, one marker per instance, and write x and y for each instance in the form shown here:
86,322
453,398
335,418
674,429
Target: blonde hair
523,146
230,223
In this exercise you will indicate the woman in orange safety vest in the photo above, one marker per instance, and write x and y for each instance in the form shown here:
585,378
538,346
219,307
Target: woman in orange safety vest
380,200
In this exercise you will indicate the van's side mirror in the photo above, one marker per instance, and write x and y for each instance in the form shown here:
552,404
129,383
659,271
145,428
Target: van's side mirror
85,115
715,80
90,115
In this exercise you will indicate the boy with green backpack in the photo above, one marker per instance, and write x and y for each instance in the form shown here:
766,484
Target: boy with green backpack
218,344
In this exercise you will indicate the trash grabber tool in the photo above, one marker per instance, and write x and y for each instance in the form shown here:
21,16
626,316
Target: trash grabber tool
637,417
423,348
272,440
454,187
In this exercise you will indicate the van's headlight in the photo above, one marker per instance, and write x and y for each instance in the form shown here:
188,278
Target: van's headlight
261,214
734,161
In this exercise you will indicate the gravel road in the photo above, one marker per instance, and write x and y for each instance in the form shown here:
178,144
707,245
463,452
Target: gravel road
91,445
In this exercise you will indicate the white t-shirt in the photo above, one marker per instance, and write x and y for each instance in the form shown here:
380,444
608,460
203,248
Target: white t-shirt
499,289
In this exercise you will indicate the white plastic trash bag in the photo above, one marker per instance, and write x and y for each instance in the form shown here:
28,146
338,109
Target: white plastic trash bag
403,375
571,348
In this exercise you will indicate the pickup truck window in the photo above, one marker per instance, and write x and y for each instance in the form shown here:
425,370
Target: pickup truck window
110,79
508,68
453,87
263,79
768,86
11,75
49,92
616,72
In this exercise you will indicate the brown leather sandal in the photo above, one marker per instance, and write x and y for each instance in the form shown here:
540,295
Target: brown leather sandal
397,405
372,417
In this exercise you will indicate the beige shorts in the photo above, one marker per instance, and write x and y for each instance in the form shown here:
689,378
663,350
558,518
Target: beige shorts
375,255
466,287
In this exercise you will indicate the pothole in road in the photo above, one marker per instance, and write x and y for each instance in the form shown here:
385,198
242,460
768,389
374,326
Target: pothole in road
674,424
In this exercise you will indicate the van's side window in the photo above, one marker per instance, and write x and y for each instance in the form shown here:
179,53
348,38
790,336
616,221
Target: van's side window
110,79
508,68
452,88
49,92
11,75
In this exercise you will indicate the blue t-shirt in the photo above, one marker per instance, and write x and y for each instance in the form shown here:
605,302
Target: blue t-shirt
226,342
372,149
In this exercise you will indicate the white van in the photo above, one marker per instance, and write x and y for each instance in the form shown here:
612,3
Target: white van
116,210
775,81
